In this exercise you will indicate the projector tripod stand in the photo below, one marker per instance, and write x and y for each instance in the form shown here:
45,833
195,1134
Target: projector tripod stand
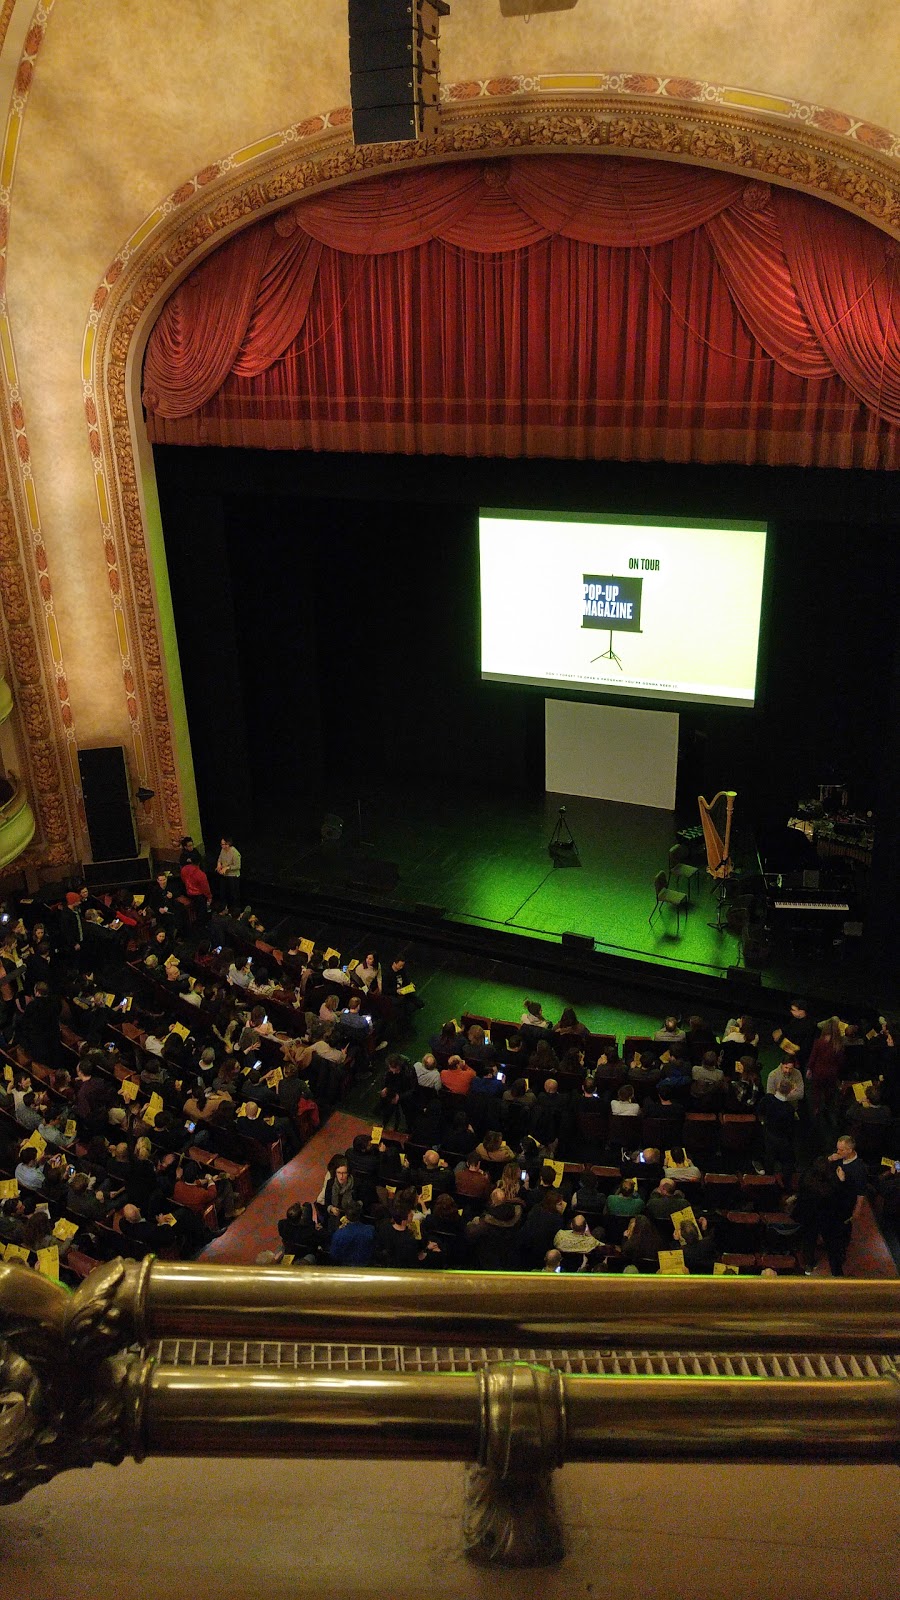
562,847
608,655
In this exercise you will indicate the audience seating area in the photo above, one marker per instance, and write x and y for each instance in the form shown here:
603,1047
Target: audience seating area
161,1066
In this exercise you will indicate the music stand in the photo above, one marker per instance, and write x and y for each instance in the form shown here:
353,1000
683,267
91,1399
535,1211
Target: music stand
562,847
608,655
721,893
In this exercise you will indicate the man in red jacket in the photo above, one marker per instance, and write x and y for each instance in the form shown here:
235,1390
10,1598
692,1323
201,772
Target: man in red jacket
196,887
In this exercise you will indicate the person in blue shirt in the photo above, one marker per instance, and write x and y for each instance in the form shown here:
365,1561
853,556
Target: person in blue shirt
353,1242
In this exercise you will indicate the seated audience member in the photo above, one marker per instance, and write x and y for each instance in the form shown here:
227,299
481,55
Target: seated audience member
494,1150
495,1236
477,1048
624,1103
445,1227
449,1042
339,1192
871,1112
576,1241
742,1031
301,1235
533,1016
569,1029
490,1085
353,1241
669,1033
679,1166
626,1201
333,972
471,1181
540,1227
460,1137
699,1036
745,1089
699,1248
644,1073
664,1108
366,973
550,1113
640,1243
708,1074
457,1076
29,1173
666,1198
395,1243
82,1202
427,1074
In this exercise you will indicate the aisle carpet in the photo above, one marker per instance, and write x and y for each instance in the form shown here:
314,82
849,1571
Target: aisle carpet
301,1179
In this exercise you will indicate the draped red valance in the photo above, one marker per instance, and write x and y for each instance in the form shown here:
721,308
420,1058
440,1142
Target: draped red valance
555,305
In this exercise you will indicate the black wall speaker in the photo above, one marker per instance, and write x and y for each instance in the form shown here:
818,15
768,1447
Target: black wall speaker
577,941
107,803
394,59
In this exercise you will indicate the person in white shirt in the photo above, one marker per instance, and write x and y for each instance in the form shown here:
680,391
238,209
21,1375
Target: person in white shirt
786,1080
367,973
241,976
625,1105
427,1074
228,868
334,972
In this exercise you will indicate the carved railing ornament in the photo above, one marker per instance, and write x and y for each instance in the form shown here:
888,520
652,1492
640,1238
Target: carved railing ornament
79,1385
70,1378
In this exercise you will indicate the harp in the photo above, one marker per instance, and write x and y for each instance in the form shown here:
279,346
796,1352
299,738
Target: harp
716,823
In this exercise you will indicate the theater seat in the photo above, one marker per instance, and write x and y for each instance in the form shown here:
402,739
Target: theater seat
737,1131
700,1135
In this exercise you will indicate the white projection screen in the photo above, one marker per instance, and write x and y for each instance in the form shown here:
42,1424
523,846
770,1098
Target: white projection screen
611,753
659,610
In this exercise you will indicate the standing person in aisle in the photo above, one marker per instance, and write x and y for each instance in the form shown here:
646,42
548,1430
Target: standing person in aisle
228,869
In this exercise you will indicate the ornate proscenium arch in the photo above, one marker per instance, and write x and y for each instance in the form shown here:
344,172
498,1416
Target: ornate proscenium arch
785,142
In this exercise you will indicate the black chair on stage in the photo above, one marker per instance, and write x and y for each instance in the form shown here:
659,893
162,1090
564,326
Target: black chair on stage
668,897
680,870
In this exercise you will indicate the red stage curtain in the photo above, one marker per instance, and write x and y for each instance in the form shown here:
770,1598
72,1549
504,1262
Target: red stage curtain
846,278
565,306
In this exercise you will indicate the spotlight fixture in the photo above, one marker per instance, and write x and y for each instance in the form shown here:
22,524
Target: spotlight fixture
145,794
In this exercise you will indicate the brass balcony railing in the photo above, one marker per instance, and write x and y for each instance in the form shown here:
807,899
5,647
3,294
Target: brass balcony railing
381,1364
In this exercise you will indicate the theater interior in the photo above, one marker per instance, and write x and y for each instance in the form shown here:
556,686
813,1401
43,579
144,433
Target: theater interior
282,341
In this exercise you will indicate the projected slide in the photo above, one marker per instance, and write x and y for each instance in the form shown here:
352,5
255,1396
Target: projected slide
661,610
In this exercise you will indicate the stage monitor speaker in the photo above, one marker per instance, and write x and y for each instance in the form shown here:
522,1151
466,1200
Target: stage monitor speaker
745,976
106,789
394,67
577,941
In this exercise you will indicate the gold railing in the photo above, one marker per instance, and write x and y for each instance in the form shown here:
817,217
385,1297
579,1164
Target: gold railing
80,1384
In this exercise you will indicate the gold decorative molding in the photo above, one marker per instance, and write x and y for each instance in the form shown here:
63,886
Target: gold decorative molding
44,725
784,142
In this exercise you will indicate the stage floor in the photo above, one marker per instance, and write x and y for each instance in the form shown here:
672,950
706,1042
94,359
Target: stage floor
484,859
